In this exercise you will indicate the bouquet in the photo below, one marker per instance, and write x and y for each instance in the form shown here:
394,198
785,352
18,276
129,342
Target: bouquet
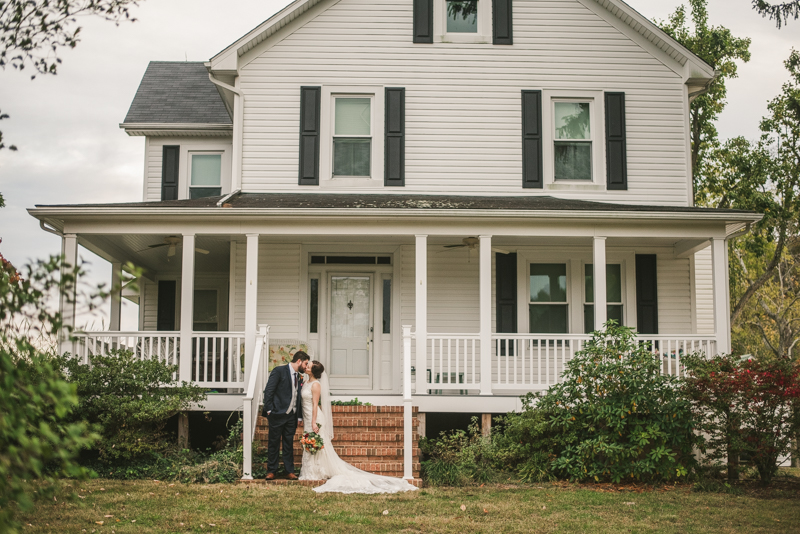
312,442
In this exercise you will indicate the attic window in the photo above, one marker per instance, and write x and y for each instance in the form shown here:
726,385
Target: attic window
462,16
206,175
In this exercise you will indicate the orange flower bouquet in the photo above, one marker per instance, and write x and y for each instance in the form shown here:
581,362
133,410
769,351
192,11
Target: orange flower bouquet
312,442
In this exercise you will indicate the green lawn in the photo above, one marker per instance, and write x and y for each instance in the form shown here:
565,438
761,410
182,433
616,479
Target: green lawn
149,506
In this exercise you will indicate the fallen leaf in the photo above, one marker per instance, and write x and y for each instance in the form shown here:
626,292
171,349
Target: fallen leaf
102,489
151,493
174,484
133,521
629,503
386,512
544,507
463,508
99,522
108,515
485,511
212,525
81,497
54,498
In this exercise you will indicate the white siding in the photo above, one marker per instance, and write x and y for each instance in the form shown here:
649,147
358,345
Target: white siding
149,304
463,101
155,148
674,295
704,291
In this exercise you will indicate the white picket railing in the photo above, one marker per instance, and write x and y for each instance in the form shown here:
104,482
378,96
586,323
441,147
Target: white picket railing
161,346
673,348
218,359
256,381
454,362
532,361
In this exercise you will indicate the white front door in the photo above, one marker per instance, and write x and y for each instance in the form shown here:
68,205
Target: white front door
350,331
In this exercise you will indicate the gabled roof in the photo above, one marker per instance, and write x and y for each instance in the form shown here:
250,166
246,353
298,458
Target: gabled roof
621,10
178,94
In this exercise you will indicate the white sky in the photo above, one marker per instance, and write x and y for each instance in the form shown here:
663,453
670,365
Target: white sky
72,151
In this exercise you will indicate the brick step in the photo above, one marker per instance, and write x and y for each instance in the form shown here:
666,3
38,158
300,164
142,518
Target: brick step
350,454
343,437
350,423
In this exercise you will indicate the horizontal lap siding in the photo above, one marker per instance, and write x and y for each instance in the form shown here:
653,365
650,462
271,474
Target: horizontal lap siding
463,101
674,295
704,290
152,190
150,302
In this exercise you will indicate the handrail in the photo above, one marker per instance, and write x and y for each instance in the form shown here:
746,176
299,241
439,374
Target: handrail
255,385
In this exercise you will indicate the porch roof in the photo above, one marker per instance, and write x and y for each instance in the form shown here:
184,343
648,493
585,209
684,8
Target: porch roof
350,202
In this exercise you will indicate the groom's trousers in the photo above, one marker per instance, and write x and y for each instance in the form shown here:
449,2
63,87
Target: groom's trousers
281,430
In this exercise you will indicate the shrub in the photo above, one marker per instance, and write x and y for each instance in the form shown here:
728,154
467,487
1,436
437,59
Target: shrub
129,401
745,408
615,416
351,402
458,457
527,443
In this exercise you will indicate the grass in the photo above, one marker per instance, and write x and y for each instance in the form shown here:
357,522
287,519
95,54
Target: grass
155,507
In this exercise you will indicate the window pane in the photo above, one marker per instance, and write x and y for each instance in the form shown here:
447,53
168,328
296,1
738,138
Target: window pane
352,116
548,282
573,161
205,310
314,305
351,157
548,318
572,120
206,169
613,311
613,282
462,16
387,306
203,192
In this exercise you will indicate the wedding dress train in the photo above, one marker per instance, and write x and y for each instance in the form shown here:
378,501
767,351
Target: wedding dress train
326,465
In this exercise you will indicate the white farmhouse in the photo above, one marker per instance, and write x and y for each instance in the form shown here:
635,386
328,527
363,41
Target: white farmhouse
466,187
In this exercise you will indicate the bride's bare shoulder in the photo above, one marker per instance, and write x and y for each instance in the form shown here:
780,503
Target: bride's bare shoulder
315,385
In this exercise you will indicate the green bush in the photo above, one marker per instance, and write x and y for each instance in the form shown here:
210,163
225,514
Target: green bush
351,402
527,443
128,401
458,457
614,416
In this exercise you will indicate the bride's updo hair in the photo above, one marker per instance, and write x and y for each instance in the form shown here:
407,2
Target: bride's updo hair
317,369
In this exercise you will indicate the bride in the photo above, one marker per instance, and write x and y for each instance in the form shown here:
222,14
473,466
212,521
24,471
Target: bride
325,464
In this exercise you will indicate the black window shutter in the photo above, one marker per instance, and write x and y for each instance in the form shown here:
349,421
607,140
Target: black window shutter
423,21
646,294
165,315
502,26
395,138
616,153
170,160
506,292
532,170
309,135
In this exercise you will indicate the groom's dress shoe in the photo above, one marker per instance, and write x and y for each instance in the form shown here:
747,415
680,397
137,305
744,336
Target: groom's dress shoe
270,476
291,476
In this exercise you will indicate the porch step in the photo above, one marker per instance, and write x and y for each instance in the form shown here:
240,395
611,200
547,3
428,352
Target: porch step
417,482
367,437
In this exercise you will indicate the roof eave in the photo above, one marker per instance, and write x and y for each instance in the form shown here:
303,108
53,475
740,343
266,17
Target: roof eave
177,129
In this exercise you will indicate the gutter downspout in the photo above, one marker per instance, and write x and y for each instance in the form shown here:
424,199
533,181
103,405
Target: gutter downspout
238,129
49,230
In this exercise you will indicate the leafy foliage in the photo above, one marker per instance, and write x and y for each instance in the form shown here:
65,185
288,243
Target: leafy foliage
618,415
38,443
351,402
745,408
129,400
780,12
458,457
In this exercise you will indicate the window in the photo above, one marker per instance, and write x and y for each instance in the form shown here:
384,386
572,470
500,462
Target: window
462,16
205,176
313,323
572,139
206,315
352,136
614,305
548,309
387,306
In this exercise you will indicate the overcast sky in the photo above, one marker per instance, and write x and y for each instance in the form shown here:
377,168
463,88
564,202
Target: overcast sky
72,151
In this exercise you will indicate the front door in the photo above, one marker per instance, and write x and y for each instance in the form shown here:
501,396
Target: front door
350,331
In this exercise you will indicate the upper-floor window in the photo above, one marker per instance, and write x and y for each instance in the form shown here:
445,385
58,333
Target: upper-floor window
205,175
463,21
462,16
572,140
352,136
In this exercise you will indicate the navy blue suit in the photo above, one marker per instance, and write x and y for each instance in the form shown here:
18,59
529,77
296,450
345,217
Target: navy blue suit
282,425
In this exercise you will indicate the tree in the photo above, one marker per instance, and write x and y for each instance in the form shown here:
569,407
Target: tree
38,445
778,12
717,46
33,31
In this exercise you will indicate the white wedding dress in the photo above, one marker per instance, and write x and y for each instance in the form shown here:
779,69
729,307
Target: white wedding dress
326,465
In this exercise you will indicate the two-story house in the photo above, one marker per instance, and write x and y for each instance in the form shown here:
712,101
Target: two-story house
473,184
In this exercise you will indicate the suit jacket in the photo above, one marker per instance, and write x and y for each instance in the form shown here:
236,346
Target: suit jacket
278,392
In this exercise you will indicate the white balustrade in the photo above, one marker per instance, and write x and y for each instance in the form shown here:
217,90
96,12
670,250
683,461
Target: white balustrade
671,349
453,362
218,359
532,361
161,346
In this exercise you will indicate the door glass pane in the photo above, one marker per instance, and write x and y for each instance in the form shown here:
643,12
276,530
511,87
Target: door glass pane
548,318
352,116
462,16
350,322
351,156
206,169
205,310
548,282
387,306
313,323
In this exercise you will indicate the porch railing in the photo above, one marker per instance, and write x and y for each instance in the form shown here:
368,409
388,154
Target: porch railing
218,359
257,379
530,362
161,346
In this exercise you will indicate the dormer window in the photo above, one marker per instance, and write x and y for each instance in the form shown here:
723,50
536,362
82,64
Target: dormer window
205,175
462,16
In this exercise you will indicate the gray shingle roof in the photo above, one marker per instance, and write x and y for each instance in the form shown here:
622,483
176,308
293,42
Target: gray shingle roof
177,92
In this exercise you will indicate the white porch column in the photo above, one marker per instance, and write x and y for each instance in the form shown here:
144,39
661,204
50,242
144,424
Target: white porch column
722,315
408,413
599,282
116,297
421,270
187,308
485,289
69,250
250,302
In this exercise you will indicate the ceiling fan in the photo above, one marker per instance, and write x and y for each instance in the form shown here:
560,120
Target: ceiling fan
472,243
173,242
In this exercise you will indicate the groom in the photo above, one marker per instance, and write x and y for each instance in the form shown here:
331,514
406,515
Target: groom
283,409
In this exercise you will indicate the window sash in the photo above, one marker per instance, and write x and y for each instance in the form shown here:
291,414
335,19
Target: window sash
351,144
205,175
573,139
461,16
